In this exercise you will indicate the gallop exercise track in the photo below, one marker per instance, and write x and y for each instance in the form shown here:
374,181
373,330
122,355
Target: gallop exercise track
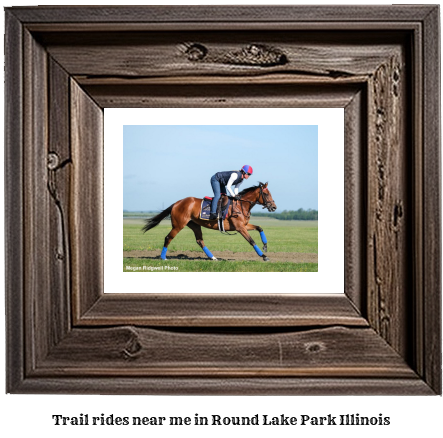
186,212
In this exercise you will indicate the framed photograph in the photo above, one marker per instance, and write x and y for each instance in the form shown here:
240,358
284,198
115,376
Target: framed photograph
375,330
164,163
179,156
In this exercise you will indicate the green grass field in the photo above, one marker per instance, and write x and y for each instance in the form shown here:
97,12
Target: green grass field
282,236
141,265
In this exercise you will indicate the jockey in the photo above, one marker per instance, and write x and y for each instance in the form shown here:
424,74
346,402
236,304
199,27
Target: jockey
228,183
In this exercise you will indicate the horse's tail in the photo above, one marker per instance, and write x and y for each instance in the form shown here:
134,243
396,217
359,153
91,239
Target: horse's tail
154,221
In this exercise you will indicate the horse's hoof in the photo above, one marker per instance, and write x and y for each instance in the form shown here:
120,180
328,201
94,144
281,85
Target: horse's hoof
265,247
214,258
265,259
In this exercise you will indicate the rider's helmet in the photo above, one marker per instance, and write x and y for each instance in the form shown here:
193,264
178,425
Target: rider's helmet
247,169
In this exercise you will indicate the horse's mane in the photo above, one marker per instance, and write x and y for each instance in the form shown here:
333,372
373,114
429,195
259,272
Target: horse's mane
250,189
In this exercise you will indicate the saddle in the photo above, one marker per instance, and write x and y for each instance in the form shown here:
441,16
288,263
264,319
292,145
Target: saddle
222,207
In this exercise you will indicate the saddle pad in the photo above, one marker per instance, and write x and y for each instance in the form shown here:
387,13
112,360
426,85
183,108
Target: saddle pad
205,209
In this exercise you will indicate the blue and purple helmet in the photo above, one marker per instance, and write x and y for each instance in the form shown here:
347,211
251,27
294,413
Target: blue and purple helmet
247,169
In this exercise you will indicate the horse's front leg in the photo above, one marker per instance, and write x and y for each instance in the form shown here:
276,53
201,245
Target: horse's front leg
250,227
244,232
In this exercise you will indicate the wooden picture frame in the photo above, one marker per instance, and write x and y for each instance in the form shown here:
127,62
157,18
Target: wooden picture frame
65,64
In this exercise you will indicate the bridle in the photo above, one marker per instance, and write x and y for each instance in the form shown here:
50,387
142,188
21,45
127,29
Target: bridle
266,203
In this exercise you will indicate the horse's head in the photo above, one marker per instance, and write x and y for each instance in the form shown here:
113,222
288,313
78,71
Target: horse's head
265,198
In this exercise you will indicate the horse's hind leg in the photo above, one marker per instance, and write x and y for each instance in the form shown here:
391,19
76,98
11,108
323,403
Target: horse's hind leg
250,227
168,239
177,226
199,238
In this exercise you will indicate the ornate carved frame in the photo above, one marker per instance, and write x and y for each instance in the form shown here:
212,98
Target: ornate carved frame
64,65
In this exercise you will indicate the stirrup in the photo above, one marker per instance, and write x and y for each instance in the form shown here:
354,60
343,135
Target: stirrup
213,216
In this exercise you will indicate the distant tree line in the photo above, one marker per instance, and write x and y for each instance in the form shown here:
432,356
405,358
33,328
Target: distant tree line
285,215
291,215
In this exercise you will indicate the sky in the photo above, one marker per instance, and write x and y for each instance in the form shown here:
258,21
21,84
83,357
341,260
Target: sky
165,163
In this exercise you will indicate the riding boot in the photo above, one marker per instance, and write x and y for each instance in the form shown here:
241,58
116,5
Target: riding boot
213,216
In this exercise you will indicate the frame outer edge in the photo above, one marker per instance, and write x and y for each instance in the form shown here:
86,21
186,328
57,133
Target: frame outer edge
14,239
221,13
432,202
229,386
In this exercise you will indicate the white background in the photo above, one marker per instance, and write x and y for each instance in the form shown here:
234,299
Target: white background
330,123
25,415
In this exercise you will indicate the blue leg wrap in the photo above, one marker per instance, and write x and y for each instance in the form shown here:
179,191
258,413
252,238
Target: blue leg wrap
207,252
258,250
263,237
163,254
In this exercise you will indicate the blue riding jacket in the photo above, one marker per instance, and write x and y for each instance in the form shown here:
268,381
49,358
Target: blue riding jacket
223,177
220,181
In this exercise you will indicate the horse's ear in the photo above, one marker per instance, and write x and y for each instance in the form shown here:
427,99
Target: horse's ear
266,185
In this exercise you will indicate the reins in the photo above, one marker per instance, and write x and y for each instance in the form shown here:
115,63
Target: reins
241,206
265,204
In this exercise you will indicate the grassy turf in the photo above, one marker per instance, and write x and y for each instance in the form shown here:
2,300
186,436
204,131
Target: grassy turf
144,265
282,236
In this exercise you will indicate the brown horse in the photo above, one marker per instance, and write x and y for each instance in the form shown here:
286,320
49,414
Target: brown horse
186,212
